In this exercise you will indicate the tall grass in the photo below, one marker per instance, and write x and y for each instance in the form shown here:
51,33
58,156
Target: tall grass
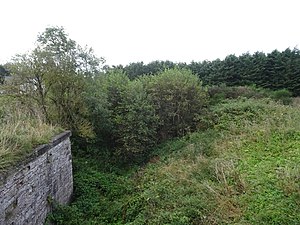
264,139
244,170
21,129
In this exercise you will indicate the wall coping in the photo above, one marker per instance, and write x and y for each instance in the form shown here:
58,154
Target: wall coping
38,151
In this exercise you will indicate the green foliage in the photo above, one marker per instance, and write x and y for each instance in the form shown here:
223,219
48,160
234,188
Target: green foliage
52,77
179,98
282,95
135,70
100,197
218,94
97,102
243,172
137,114
274,71
136,121
239,113
265,136
21,129
132,116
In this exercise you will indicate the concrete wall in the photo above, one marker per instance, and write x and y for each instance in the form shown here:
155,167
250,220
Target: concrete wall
45,175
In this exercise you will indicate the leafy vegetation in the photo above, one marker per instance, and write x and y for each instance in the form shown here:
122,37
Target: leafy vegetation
265,146
66,84
53,77
244,170
152,144
274,71
179,100
20,131
137,114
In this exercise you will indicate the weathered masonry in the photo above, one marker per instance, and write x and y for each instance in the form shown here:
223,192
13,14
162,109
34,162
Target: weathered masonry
27,190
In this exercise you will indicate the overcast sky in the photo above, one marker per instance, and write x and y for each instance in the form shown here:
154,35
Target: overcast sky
124,31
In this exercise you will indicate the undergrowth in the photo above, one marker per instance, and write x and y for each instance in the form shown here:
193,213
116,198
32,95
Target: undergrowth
20,131
244,170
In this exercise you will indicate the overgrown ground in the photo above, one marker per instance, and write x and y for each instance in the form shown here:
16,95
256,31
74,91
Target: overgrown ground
20,131
243,170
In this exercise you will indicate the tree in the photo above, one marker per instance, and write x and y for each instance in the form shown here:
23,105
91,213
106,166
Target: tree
53,76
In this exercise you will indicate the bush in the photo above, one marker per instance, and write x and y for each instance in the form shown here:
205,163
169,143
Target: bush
179,99
284,96
123,115
239,112
136,114
220,93
135,122
96,98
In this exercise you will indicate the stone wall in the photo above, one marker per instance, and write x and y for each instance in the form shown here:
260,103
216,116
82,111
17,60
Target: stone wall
46,175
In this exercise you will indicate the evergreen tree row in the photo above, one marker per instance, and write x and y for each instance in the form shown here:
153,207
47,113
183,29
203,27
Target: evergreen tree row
276,70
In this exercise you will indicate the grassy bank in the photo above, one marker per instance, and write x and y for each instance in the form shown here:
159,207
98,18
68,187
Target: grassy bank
244,170
20,131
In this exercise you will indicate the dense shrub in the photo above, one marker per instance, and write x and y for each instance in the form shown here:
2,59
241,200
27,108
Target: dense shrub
96,100
282,95
136,114
135,121
239,112
122,114
218,93
179,99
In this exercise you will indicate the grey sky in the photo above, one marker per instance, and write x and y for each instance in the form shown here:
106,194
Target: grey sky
146,30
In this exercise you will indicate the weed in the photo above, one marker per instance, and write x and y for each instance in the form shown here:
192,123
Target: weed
244,171
20,131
